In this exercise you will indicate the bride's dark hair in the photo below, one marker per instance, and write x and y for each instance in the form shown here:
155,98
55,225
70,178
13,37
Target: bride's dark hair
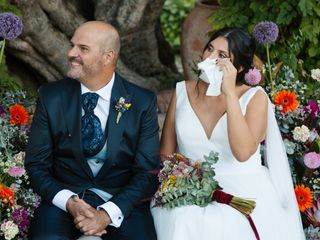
241,45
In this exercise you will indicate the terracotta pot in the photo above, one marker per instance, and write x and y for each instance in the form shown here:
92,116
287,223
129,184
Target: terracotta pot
194,36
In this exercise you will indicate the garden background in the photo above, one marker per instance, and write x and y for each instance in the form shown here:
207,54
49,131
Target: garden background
289,69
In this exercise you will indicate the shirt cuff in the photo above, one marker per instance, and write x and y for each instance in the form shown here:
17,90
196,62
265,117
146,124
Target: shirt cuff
114,213
61,198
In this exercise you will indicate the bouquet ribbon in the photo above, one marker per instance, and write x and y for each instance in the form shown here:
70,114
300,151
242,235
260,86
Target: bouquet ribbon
237,203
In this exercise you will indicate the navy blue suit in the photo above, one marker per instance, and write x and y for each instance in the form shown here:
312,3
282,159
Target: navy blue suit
55,161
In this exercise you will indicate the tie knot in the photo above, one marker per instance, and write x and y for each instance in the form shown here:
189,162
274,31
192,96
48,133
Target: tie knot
89,101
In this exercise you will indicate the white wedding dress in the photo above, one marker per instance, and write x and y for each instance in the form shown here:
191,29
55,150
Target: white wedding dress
276,215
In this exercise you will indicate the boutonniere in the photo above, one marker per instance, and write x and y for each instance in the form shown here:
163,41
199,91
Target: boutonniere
122,106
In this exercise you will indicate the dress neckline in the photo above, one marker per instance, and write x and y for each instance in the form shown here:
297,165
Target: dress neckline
208,138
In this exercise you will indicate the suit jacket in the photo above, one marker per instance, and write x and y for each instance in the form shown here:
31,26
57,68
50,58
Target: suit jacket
54,158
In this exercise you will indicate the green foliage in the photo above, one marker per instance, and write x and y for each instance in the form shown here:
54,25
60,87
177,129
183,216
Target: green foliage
6,81
298,21
173,14
6,6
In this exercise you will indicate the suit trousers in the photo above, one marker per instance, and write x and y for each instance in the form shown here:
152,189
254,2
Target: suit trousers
52,223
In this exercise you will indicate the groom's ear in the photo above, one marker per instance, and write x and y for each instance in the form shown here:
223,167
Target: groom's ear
109,56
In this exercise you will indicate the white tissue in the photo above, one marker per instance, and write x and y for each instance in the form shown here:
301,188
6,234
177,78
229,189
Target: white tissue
211,74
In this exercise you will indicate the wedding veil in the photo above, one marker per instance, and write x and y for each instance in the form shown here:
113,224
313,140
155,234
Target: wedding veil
277,162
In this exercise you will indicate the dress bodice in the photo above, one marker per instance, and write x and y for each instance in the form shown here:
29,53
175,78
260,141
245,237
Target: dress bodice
193,142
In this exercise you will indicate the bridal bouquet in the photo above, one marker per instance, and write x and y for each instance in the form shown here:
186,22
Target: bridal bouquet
184,182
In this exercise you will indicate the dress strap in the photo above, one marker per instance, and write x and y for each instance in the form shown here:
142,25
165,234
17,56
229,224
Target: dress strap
181,93
247,96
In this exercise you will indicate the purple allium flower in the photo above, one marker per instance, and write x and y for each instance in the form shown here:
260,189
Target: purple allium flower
312,160
266,32
21,218
253,76
16,171
10,26
313,108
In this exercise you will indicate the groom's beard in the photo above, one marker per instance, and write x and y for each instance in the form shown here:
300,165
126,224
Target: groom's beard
82,71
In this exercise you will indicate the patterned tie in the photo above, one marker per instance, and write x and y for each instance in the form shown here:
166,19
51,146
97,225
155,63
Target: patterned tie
91,131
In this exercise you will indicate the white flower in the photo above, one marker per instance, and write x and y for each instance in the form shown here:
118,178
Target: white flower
10,230
301,133
19,157
315,74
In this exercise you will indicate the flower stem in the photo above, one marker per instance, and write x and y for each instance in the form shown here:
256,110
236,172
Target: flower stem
2,49
269,69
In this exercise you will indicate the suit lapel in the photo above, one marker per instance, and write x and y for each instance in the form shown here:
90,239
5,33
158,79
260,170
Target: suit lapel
72,110
115,130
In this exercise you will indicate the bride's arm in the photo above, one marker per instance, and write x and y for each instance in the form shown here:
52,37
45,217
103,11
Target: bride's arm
168,143
246,132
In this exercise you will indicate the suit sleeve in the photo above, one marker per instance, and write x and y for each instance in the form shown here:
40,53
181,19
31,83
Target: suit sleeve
144,183
39,153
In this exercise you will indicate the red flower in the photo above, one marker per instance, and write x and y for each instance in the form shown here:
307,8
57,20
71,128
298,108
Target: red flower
18,114
6,195
304,197
287,100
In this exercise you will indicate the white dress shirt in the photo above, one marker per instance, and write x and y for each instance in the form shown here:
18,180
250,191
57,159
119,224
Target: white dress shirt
102,111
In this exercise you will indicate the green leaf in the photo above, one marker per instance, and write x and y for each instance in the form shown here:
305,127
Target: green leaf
306,7
313,51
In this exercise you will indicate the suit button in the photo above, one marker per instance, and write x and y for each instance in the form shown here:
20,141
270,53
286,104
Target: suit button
69,135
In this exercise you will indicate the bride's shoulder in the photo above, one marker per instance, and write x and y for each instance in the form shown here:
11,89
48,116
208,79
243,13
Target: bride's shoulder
258,98
189,85
259,94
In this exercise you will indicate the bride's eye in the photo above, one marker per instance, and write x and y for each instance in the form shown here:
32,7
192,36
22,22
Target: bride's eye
210,49
222,55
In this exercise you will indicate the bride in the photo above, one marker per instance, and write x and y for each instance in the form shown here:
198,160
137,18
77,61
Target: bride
234,123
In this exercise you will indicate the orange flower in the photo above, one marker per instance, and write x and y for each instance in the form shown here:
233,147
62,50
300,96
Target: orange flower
18,114
304,197
6,195
287,100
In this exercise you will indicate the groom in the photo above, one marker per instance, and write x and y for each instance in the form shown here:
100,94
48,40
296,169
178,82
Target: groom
92,147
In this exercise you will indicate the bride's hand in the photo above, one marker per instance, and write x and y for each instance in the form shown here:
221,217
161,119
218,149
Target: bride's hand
229,75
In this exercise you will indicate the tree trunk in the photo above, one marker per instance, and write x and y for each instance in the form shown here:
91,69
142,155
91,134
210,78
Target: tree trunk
145,57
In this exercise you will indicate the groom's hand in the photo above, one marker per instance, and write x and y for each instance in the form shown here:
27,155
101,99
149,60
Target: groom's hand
76,206
93,222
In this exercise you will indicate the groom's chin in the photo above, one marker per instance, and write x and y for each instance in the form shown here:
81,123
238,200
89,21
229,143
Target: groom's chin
72,73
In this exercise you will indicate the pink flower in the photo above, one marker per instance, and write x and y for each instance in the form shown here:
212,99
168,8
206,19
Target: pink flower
253,77
16,171
313,214
312,160
313,108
